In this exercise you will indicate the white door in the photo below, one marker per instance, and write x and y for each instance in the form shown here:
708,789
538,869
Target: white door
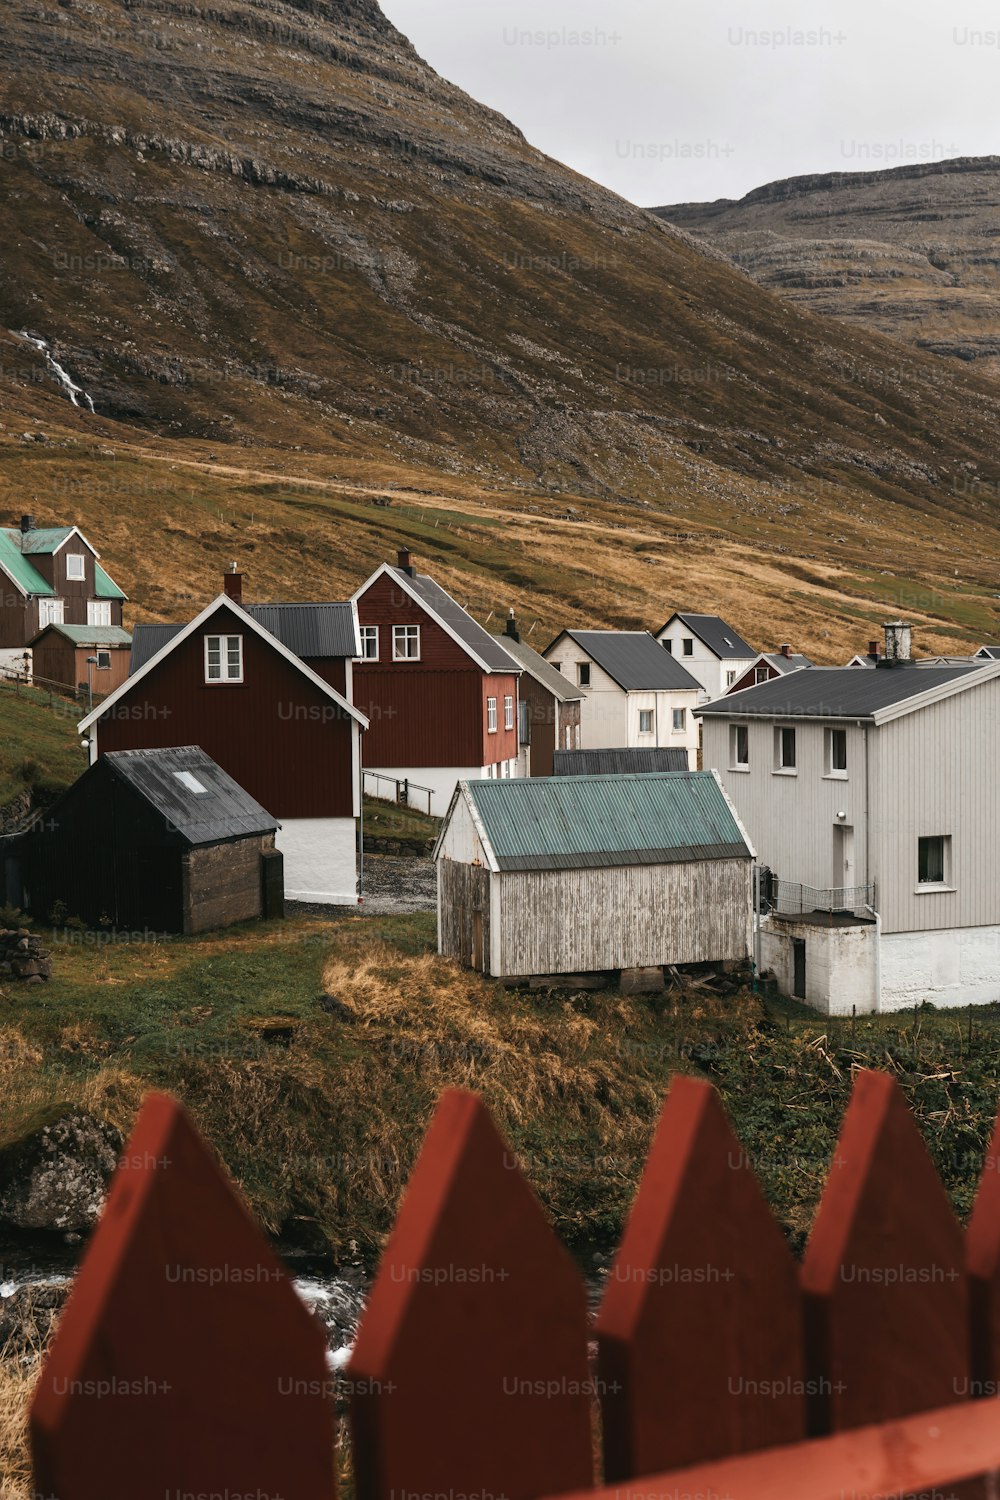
843,857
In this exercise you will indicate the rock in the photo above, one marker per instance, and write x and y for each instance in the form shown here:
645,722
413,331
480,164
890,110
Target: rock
56,1177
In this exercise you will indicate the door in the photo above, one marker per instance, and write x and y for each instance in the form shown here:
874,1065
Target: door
799,968
477,941
843,857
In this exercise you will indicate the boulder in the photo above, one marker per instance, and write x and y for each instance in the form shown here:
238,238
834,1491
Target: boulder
55,1178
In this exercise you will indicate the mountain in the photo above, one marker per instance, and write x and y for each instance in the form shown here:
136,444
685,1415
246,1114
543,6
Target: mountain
322,302
912,252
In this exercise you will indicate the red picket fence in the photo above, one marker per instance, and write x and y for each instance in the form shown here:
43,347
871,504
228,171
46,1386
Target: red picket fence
185,1366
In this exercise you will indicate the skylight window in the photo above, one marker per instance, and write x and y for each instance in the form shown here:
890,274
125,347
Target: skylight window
191,782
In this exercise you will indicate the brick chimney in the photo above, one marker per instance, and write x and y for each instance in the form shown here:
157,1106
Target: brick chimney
512,631
232,583
404,562
786,651
874,650
898,643
27,524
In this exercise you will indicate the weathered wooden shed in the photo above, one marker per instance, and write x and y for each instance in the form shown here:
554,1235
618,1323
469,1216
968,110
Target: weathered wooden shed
158,840
591,874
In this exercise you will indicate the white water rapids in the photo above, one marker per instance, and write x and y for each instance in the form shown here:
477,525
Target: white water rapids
69,385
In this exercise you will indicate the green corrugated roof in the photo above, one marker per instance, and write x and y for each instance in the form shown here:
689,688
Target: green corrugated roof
105,587
92,635
43,540
575,822
17,566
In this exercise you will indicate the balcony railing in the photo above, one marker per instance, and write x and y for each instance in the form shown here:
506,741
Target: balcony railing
787,898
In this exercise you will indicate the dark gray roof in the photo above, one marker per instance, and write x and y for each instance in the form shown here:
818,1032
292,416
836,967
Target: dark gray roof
309,631
221,812
487,647
719,637
544,672
794,663
635,659
993,652
618,762
833,692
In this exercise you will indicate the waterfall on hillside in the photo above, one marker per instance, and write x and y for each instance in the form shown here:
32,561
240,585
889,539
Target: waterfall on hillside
69,385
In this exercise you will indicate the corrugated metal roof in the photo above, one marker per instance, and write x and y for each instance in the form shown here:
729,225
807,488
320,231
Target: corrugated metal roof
581,822
635,659
618,762
147,640
105,587
487,647
310,630
544,672
91,635
833,692
221,811
783,664
719,637
16,565
41,541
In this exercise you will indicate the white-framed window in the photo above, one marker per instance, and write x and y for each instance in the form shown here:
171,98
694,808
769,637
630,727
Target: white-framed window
645,721
223,658
688,646
76,566
669,646
558,666
739,747
761,674
50,612
406,643
934,866
491,715
508,712
784,748
583,674
103,661
369,642
730,678
836,752
680,720
99,612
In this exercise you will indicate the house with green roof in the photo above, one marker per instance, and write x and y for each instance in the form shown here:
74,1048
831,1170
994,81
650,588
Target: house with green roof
52,576
593,875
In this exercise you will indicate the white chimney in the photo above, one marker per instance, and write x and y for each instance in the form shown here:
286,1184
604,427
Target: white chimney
898,641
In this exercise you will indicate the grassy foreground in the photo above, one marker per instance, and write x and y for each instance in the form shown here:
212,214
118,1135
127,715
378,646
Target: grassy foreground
311,1054
39,745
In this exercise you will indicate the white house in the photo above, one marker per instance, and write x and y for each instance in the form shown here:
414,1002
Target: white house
873,797
712,651
637,696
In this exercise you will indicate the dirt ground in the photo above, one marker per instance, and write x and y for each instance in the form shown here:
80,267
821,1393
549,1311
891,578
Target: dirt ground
394,884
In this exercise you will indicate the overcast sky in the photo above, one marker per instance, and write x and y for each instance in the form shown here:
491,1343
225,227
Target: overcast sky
668,102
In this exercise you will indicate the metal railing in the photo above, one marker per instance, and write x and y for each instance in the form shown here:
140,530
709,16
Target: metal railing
404,788
787,898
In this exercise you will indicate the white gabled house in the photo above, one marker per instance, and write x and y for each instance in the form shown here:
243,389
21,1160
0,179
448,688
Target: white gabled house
712,651
637,695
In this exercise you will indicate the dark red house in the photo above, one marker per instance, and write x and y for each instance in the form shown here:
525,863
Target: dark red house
769,665
273,723
440,692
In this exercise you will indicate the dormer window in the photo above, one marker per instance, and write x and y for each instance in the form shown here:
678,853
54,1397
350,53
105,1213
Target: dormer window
223,658
76,567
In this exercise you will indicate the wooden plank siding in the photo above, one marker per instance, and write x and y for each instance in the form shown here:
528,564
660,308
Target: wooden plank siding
464,892
584,921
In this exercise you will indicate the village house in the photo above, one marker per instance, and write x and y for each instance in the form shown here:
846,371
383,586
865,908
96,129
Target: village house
549,707
771,664
713,652
593,875
53,576
82,658
440,692
872,797
274,723
637,696
154,840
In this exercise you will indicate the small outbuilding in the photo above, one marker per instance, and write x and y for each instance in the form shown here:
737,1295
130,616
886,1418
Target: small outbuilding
592,874
155,840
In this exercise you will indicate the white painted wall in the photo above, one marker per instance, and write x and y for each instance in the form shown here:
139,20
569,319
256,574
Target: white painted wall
441,780
703,664
960,966
321,860
841,964
14,660
609,717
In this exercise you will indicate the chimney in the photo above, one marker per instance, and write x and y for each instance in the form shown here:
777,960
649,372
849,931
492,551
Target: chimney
27,524
404,561
898,643
874,650
512,632
232,583
786,651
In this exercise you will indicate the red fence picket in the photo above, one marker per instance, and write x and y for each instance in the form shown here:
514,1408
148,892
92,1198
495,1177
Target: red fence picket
700,1329
470,1367
884,1273
184,1362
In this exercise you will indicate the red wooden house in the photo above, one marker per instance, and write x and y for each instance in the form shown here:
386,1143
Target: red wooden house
279,728
439,690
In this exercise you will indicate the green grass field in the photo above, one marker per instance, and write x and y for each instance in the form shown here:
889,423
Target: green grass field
39,745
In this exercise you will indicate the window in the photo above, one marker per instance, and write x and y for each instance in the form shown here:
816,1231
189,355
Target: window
645,721
491,715
103,661
223,658
836,752
508,712
369,643
739,746
730,678
934,860
76,566
50,612
670,646
99,612
784,749
680,720
760,675
688,646
583,673
406,643
192,783
557,665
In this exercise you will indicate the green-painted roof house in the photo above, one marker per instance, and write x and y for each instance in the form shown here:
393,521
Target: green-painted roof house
51,576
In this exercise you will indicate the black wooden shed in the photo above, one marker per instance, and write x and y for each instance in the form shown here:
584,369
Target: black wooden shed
154,840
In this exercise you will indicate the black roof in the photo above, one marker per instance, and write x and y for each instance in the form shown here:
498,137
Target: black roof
487,647
833,692
719,637
635,659
309,631
221,811
618,762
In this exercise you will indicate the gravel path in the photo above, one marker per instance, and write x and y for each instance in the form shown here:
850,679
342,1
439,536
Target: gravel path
395,884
